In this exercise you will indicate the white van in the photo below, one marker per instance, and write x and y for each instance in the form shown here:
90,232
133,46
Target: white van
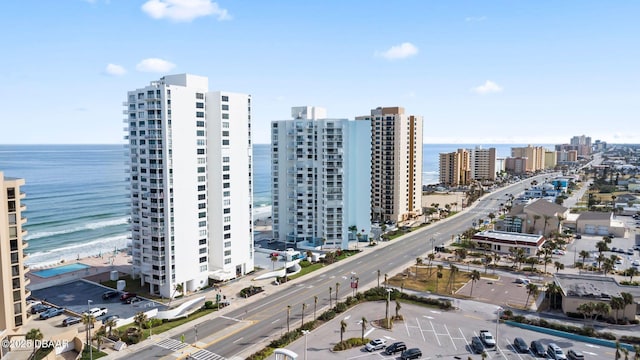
555,352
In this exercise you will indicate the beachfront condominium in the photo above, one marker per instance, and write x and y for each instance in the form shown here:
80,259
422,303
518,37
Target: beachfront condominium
320,179
455,168
396,164
190,165
13,291
533,155
483,164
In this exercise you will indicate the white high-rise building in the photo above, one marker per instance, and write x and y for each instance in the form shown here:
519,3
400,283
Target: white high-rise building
483,164
190,181
320,179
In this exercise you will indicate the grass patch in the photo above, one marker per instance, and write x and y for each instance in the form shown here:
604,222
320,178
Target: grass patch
427,280
95,354
167,325
306,270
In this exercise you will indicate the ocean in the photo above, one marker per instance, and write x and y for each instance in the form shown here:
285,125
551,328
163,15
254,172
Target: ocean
77,203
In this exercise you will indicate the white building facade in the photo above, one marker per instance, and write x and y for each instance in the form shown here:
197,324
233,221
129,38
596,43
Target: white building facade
190,165
483,164
320,178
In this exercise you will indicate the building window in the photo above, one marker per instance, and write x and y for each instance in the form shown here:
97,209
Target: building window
201,178
201,169
227,244
200,123
227,211
227,219
225,98
202,215
203,232
227,236
200,151
202,251
226,167
226,193
203,259
199,96
199,105
225,142
225,159
227,253
200,133
227,261
202,241
227,227
203,268
225,116
225,124
226,185
199,114
202,224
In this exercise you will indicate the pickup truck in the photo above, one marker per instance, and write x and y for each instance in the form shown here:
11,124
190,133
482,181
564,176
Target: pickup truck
96,312
487,338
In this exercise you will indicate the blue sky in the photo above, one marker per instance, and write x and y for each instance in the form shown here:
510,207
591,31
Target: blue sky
478,71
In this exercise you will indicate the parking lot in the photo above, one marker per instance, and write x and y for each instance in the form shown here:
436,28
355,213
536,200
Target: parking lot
504,291
438,334
75,296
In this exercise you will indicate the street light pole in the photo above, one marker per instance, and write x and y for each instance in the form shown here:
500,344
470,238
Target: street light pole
433,246
195,328
498,312
388,302
305,332
89,328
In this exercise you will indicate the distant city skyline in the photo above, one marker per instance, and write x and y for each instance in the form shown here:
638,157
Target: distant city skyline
479,73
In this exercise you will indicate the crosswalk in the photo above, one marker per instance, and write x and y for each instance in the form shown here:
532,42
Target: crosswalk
200,354
171,344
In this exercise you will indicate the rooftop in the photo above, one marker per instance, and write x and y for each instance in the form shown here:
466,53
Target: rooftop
508,236
594,215
592,286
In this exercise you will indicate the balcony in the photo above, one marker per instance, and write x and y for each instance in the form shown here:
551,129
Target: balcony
25,244
23,220
27,281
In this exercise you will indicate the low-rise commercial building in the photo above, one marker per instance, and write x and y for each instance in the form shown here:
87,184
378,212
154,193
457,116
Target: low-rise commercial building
502,241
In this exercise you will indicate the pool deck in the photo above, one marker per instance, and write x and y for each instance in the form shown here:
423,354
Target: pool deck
99,269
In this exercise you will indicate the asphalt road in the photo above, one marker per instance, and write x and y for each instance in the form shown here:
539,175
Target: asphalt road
253,324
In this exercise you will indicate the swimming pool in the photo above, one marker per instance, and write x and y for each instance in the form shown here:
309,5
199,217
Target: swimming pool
47,273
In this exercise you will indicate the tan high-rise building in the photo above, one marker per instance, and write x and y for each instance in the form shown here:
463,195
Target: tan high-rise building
533,154
13,292
483,164
455,168
550,159
396,164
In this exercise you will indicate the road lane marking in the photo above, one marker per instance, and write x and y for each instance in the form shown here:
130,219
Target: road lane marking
240,338
275,321
347,317
369,332
434,333
428,317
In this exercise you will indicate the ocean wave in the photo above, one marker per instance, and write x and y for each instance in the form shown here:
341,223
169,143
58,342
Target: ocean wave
88,226
97,247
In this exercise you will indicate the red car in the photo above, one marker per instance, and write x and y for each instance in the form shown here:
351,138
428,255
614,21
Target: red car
126,296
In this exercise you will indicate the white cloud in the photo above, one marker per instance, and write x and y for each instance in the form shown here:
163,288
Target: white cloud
116,70
184,10
155,65
401,51
475,18
487,88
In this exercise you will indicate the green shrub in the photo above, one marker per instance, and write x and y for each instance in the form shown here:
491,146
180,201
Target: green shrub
327,315
340,307
350,343
304,263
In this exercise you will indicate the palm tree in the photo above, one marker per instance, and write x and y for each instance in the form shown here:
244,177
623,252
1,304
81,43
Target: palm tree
439,275
418,262
88,321
452,276
385,280
274,260
601,246
584,254
398,307
304,307
176,288
343,328
289,315
546,221
631,272
618,347
140,318
386,314
625,351
602,309
535,219
363,323
330,288
315,306
474,276
431,257
553,290
487,261
636,349
110,324
33,335
337,287
587,310
559,266
532,290
99,337
378,277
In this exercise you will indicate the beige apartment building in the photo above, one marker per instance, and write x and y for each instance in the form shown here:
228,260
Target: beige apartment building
533,154
483,164
550,159
396,164
13,292
455,168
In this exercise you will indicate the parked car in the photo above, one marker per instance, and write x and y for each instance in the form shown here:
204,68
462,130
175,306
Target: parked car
477,346
110,294
630,252
574,355
71,320
127,295
520,345
38,308
487,338
523,281
537,348
614,249
133,300
395,348
47,314
555,352
413,353
109,318
375,344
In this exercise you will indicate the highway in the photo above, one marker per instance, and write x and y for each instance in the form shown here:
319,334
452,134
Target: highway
244,327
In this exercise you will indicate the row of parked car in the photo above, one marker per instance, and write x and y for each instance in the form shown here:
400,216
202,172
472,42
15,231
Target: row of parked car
396,347
536,348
